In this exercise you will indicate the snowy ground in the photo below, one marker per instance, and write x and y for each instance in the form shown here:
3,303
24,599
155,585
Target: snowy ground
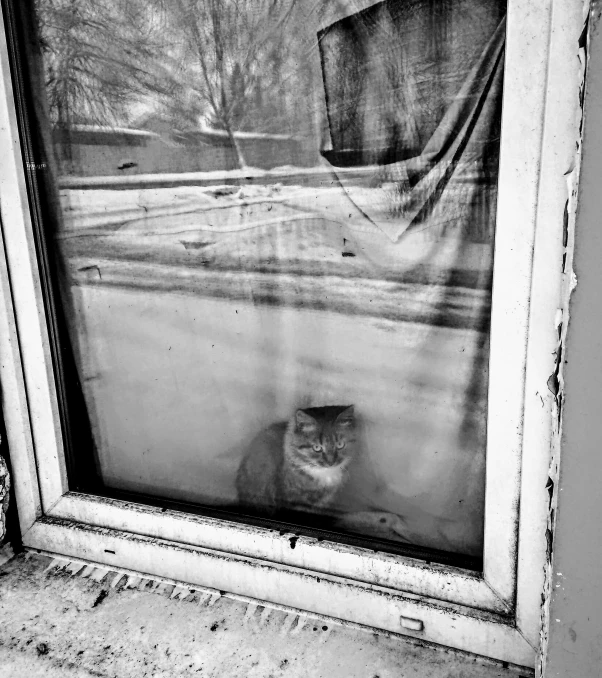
325,254
292,175
209,313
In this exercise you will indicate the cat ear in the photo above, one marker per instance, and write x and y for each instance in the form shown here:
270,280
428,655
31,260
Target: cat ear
304,420
347,416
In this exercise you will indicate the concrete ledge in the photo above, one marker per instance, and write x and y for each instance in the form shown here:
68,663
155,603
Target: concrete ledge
72,622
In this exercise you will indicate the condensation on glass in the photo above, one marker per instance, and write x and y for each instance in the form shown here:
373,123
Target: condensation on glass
275,252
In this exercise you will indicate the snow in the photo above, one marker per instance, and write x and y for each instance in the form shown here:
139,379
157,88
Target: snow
225,176
208,131
116,130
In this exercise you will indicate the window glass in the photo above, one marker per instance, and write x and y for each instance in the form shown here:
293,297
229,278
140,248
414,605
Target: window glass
274,252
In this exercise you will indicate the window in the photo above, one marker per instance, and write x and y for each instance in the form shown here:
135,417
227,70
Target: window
277,298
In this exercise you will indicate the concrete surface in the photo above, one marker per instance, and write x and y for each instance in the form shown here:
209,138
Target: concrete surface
55,623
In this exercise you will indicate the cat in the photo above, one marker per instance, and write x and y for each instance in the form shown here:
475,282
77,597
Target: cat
300,464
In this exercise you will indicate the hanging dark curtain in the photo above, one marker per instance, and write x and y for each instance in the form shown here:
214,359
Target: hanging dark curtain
413,94
415,88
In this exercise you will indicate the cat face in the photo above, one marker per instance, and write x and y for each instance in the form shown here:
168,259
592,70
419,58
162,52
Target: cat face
324,436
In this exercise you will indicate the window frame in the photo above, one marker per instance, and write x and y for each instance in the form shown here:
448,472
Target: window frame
496,613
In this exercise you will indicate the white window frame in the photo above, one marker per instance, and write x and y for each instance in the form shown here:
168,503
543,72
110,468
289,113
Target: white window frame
496,613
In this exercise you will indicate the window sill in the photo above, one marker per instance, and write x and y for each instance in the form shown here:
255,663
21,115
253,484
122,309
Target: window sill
61,622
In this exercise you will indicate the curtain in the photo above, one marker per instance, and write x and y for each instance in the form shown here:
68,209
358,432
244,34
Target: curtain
414,90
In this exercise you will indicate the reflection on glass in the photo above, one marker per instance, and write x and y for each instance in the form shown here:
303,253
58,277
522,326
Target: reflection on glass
278,222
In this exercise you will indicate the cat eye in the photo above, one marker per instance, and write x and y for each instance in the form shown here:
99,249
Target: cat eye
340,444
317,448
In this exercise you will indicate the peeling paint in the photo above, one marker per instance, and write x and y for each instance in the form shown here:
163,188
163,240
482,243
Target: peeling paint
555,382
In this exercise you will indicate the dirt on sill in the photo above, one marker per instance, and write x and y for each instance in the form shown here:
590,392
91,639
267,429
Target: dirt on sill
58,624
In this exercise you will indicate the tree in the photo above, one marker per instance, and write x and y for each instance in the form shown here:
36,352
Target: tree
228,44
239,64
100,57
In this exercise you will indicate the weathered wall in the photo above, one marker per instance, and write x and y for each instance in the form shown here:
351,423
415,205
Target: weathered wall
575,626
153,157
4,497
112,155
9,524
